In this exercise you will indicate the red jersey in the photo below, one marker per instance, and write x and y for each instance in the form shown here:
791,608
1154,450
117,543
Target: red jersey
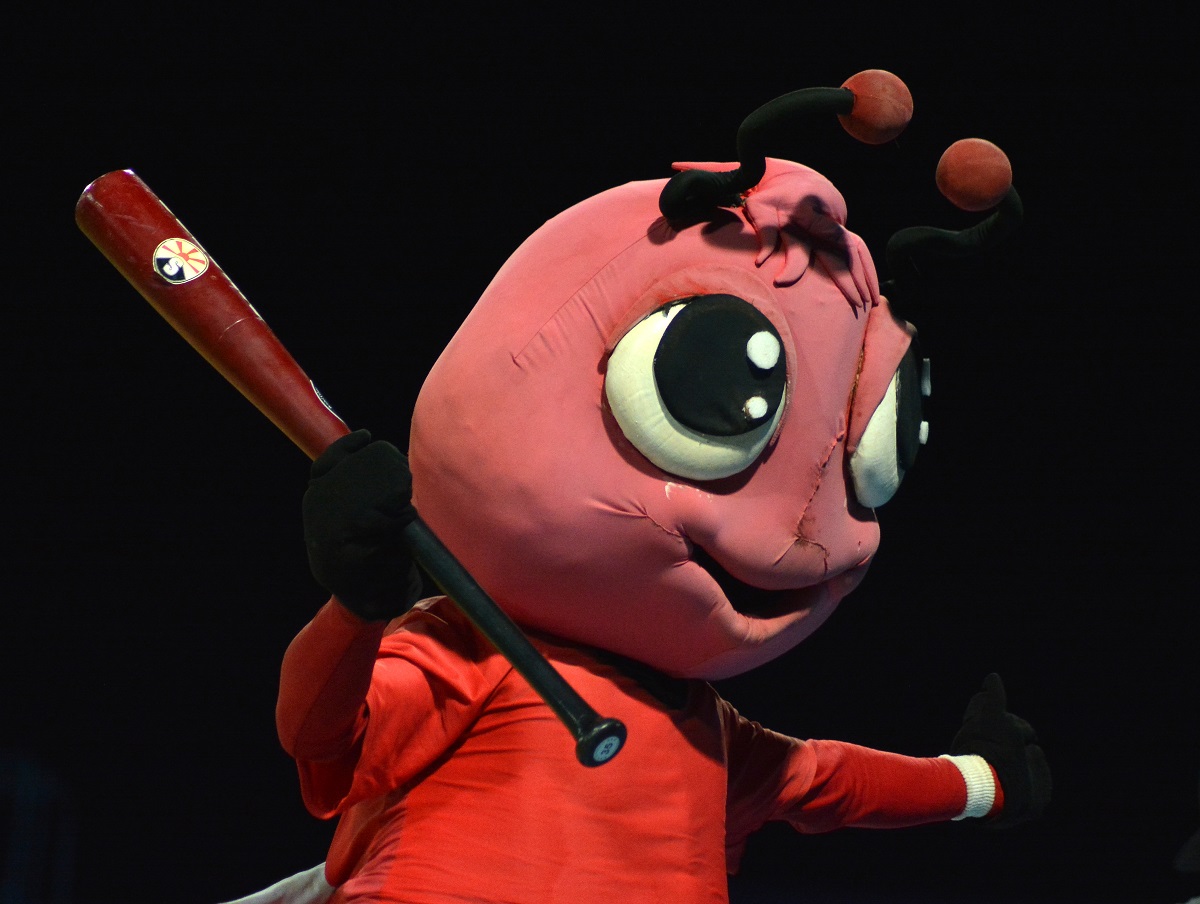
454,781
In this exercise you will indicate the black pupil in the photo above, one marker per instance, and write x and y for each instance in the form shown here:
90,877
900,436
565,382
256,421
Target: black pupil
706,375
909,408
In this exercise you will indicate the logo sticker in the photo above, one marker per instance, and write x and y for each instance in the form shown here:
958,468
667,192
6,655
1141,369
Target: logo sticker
607,749
179,261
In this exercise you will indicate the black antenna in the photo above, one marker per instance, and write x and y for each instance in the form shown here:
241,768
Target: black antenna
873,105
693,194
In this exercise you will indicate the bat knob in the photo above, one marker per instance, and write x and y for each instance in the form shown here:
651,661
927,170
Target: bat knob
600,742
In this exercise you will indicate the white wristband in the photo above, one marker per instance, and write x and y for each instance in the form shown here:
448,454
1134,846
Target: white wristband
981,787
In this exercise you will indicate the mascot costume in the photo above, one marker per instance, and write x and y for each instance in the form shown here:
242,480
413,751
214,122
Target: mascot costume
657,442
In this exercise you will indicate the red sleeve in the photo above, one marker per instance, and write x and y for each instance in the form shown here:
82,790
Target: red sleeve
323,683
362,715
819,786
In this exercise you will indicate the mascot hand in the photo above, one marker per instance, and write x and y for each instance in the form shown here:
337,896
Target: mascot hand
1009,744
358,502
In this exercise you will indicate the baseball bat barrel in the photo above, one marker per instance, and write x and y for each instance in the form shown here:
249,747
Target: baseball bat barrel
157,255
150,247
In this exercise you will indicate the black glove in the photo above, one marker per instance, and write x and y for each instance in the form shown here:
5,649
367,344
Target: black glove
358,502
1009,744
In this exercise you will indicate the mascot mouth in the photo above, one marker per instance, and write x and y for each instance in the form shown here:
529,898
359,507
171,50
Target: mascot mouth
746,598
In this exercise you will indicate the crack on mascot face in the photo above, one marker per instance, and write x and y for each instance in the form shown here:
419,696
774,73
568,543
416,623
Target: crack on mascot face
691,487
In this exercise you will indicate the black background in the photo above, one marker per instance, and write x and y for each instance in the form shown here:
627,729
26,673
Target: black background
360,175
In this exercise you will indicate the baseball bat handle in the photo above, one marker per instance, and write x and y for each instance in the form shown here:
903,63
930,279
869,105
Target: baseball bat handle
156,254
597,739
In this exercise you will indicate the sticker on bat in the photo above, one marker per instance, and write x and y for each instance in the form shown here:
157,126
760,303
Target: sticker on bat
179,261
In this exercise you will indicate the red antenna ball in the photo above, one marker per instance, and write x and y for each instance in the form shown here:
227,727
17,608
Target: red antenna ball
882,109
974,174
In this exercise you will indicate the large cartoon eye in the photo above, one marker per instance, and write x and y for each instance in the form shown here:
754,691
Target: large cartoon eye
894,434
698,386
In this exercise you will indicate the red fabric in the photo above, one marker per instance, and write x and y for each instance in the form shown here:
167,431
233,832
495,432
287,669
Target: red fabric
455,782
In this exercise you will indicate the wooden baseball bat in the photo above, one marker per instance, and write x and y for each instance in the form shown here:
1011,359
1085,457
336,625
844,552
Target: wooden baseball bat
150,247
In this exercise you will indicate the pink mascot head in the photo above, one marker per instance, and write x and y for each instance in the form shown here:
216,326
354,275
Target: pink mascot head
664,428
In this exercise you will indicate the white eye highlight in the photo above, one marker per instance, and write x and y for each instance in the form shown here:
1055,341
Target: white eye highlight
756,407
638,407
763,350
